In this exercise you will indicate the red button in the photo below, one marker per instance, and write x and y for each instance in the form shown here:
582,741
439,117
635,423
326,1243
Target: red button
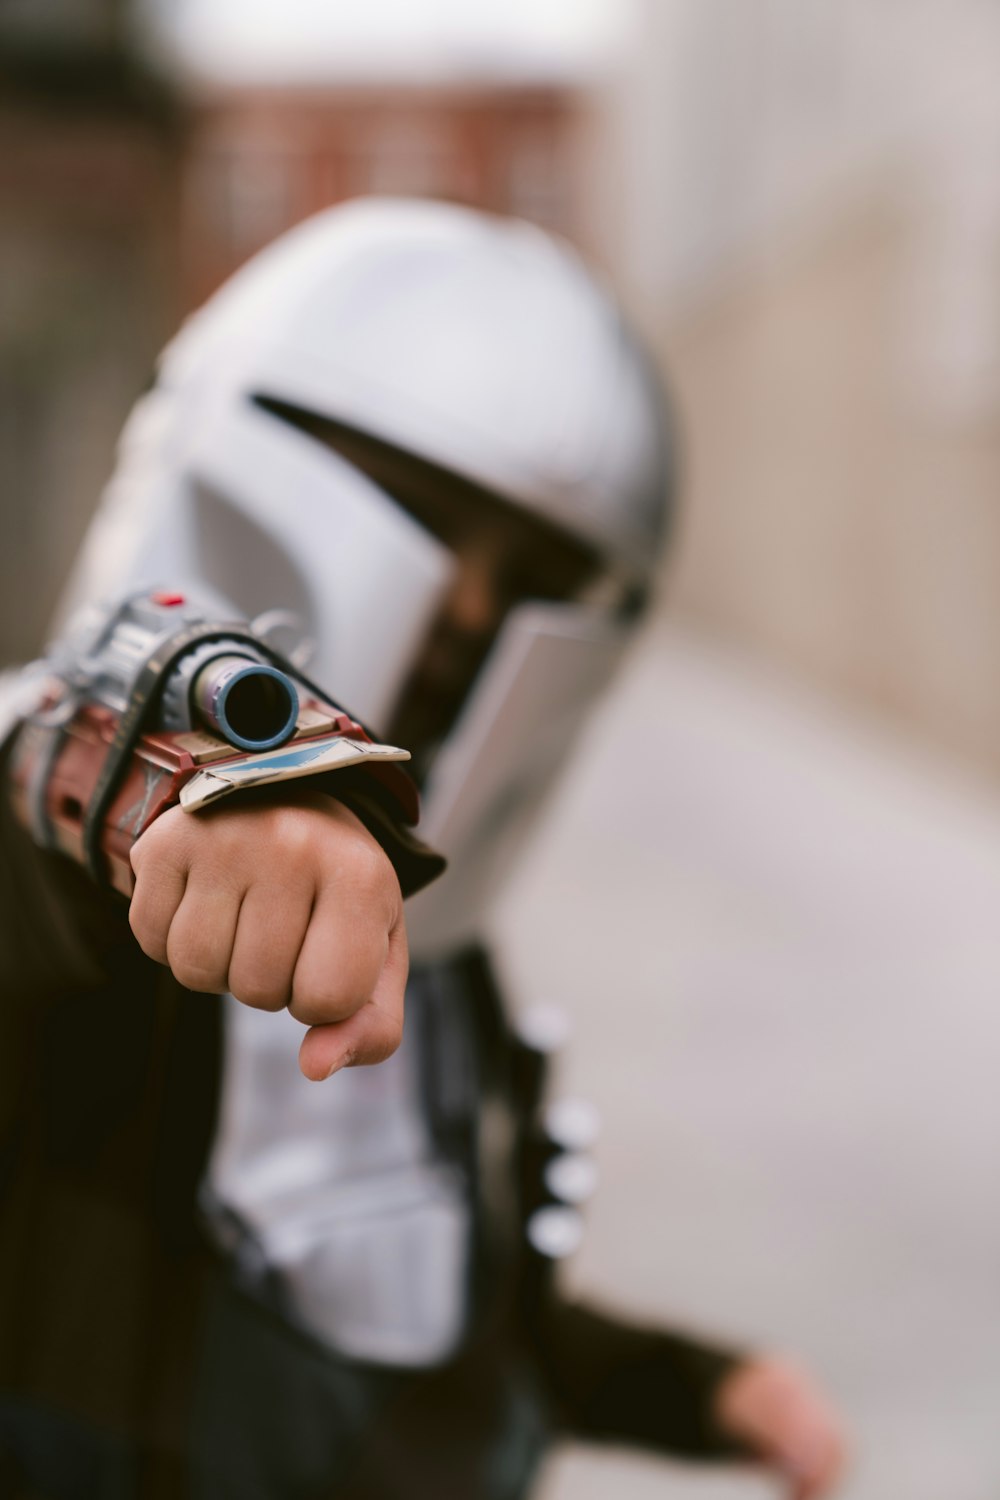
169,601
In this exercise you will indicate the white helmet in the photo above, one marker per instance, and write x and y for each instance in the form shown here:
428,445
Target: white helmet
478,345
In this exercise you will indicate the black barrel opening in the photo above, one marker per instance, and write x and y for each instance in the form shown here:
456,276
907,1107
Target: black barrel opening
258,707
253,706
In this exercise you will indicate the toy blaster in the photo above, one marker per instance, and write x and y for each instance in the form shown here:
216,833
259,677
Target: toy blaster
148,704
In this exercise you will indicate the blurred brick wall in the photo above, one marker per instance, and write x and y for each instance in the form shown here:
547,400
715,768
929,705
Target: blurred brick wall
259,161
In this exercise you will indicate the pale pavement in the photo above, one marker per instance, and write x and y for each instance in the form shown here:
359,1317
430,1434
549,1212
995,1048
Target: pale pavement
777,930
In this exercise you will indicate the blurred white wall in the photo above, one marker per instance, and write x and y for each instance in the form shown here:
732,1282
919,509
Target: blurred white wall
730,131
801,200
730,126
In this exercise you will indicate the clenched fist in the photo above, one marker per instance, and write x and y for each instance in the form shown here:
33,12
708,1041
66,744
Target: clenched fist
290,904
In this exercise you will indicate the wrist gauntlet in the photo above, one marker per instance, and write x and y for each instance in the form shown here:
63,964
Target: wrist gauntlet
148,704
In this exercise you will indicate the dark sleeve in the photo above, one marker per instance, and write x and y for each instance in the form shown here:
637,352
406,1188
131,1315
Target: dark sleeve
57,928
615,1381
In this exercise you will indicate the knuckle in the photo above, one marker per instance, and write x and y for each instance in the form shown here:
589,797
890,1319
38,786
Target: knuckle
165,838
367,884
196,973
148,940
258,995
370,867
149,943
349,848
291,832
310,1009
319,1006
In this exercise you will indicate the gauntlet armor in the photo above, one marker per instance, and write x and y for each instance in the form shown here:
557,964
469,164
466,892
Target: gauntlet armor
148,704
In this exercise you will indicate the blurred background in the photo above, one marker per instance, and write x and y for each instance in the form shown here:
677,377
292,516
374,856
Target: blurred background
768,890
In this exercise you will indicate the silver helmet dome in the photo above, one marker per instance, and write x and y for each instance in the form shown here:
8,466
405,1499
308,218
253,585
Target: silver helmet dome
480,344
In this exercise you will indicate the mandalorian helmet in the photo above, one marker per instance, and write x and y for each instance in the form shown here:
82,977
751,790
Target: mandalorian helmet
452,343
